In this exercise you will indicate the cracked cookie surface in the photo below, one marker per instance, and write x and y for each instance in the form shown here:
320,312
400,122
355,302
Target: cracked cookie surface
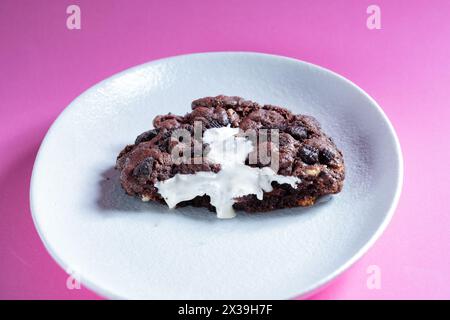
304,151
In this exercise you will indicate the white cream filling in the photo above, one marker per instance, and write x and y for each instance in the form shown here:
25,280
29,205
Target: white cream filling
235,179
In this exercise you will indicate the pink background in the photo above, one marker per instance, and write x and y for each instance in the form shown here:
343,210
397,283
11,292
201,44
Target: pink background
405,66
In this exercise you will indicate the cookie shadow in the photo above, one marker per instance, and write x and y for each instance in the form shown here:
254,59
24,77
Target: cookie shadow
113,198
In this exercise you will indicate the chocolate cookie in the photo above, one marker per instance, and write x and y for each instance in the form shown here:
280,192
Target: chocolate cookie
303,152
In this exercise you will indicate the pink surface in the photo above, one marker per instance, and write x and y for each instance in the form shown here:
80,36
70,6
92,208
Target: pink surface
404,66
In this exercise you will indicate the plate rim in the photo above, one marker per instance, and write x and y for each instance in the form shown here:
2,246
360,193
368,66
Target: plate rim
306,292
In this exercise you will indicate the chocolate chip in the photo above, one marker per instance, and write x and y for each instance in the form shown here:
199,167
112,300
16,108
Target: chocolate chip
284,140
215,124
298,132
144,169
164,141
146,136
309,154
166,135
326,156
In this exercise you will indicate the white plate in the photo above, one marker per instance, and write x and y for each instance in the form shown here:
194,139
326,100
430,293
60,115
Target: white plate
123,248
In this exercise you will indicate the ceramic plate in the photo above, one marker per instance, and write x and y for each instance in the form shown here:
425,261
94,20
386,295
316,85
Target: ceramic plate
121,247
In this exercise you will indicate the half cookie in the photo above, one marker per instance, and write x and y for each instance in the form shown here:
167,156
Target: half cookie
232,154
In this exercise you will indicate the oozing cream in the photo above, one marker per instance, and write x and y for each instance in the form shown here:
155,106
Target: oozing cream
235,179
